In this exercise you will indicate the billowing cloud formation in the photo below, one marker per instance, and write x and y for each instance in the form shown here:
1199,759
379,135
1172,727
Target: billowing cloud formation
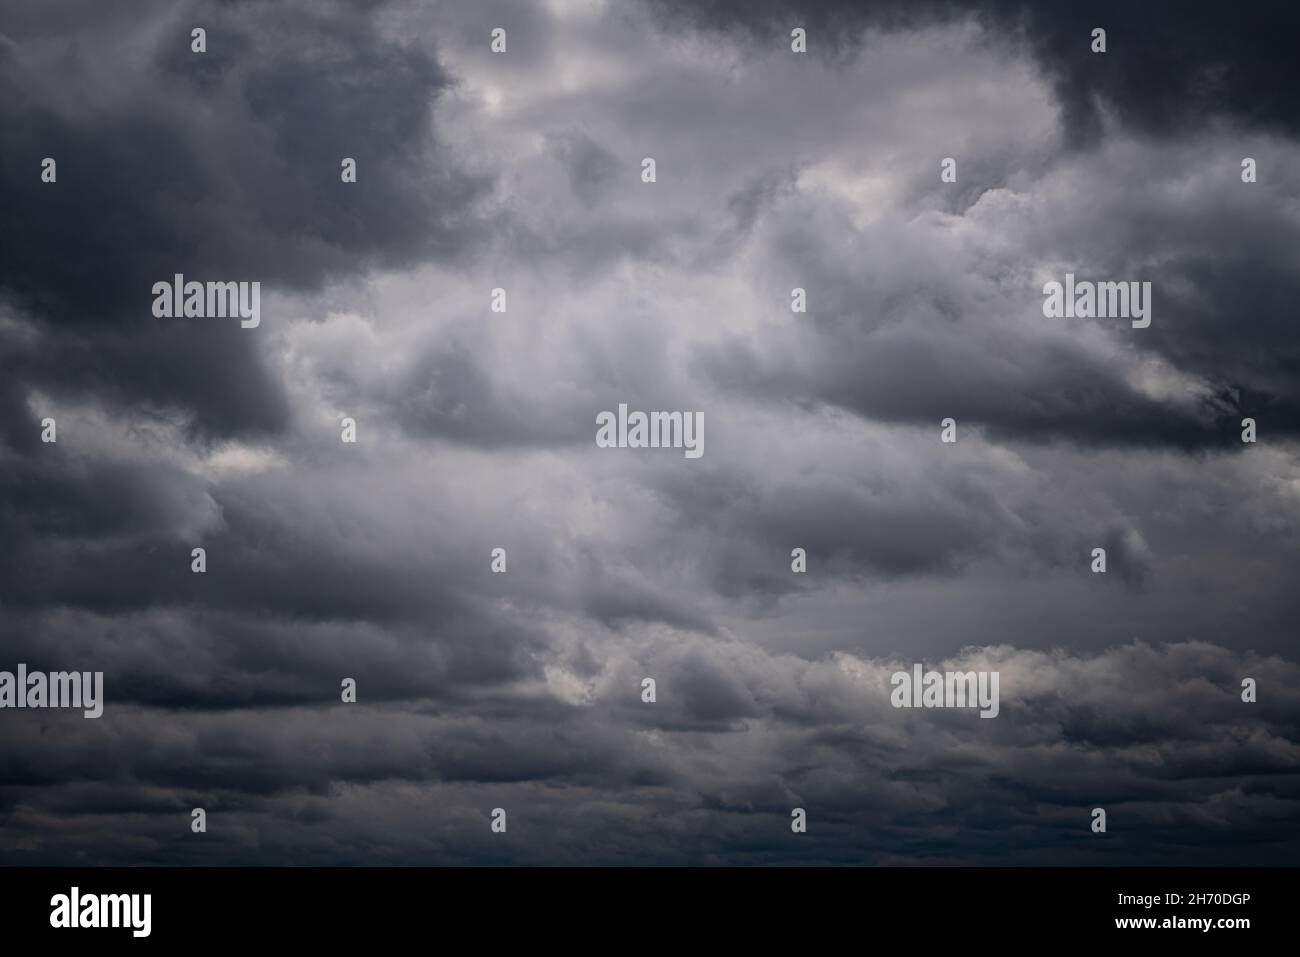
1173,64
522,172
223,166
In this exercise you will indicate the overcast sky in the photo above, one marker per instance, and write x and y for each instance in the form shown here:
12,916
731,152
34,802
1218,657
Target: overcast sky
475,430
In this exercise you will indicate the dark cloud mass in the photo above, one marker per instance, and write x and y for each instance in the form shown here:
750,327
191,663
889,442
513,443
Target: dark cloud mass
213,166
475,430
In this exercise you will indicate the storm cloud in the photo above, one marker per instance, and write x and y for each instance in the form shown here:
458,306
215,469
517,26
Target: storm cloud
475,428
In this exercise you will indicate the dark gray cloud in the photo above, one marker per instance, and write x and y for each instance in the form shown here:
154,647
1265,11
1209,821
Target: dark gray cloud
1143,731
223,165
475,431
898,343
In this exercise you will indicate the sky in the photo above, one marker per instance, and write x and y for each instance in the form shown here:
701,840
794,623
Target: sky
475,430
